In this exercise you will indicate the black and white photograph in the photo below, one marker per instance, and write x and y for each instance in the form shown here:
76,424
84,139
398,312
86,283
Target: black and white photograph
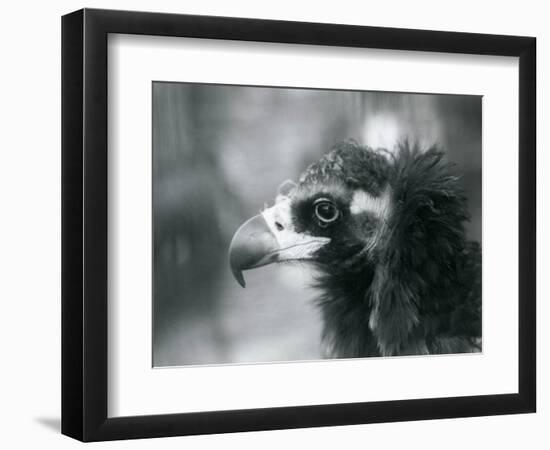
275,225
296,224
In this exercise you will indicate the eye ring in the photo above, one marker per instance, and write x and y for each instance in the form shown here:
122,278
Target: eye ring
326,212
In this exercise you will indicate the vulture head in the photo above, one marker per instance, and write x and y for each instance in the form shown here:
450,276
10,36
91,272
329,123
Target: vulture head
386,233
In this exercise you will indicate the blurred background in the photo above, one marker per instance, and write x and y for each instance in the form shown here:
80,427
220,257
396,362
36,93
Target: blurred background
219,154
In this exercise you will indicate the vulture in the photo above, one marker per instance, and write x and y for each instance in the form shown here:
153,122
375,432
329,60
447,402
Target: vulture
385,230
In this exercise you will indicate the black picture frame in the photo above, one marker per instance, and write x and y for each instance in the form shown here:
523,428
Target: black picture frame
84,224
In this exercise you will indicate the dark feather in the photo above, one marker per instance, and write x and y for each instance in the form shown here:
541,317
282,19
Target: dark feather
418,290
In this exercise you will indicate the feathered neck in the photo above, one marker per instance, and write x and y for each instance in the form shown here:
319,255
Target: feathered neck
346,308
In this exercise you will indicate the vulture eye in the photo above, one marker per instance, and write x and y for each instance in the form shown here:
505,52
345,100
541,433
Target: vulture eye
326,212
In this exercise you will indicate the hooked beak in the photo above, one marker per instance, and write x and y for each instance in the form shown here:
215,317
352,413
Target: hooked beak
253,245
270,237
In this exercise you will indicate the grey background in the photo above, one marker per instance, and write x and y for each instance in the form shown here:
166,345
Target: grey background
219,154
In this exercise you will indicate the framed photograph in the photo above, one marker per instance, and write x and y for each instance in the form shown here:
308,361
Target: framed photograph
273,224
